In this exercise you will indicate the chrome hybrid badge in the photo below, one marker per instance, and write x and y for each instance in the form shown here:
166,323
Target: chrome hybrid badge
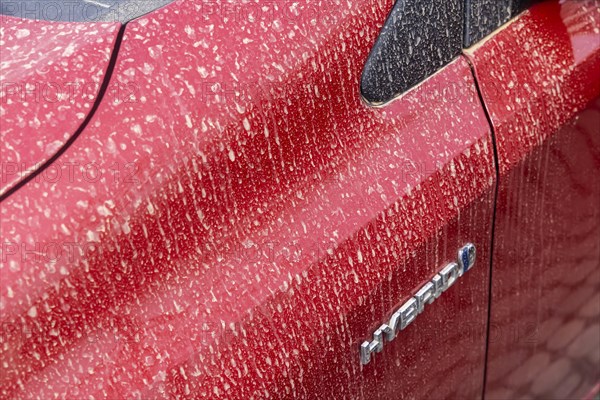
427,294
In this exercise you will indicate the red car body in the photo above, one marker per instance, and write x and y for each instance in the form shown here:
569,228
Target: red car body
545,110
241,221
48,89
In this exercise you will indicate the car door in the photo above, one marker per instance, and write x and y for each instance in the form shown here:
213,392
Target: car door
539,78
252,221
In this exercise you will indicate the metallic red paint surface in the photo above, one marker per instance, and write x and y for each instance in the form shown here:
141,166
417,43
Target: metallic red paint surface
540,80
262,232
51,75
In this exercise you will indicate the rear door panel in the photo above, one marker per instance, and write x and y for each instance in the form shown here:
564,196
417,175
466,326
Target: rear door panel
540,80
272,222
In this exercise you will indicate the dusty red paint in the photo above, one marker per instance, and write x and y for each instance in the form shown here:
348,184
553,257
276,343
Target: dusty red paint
248,221
540,79
51,75
263,234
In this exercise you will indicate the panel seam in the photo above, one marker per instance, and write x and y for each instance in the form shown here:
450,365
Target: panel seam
495,207
101,92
